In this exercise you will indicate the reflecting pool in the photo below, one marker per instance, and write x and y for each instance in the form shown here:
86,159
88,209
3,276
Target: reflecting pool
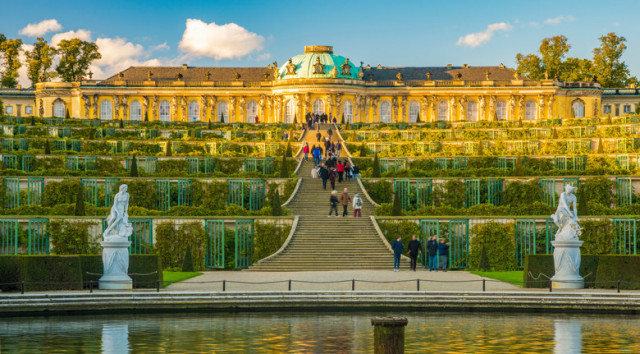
319,332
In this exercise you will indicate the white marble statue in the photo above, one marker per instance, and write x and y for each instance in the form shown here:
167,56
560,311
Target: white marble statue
115,247
566,253
118,225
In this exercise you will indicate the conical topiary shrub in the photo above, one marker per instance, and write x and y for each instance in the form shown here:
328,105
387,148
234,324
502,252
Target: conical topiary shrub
284,169
187,262
396,209
376,167
80,202
484,265
276,205
47,147
134,167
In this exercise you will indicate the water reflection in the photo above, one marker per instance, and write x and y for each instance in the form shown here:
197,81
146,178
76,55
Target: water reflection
319,332
568,336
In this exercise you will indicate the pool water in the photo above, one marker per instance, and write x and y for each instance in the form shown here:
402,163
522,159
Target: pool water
319,332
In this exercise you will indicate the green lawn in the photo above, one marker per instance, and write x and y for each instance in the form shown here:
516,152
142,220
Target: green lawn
513,277
173,277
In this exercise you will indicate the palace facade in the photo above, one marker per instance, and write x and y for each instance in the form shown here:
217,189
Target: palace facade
319,81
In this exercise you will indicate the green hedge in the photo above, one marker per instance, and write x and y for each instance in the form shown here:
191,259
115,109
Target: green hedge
604,270
268,238
498,243
69,272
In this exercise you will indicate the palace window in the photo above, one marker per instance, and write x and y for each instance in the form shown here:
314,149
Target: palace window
626,108
194,111
223,112
472,111
252,112
501,110
443,110
8,109
28,110
289,112
607,109
347,111
530,110
106,109
414,111
135,110
164,111
58,109
385,112
578,109
318,106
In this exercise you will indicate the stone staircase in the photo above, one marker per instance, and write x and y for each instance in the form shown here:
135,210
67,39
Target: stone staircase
328,243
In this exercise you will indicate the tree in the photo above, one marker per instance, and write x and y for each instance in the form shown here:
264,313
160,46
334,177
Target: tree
480,149
1,108
10,49
396,208
121,123
418,118
530,65
66,114
376,167
40,61
637,108
134,167
610,70
484,265
47,147
288,152
169,153
517,171
276,205
221,117
284,169
75,58
600,147
146,116
363,150
80,201
576,69
209,124
552,51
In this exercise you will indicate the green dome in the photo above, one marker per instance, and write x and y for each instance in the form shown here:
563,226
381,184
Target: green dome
318,62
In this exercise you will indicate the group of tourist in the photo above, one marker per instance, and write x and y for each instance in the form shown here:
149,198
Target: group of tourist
317,119
438,253
345,200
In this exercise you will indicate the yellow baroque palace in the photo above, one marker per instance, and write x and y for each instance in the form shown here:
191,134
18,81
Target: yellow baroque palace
319,81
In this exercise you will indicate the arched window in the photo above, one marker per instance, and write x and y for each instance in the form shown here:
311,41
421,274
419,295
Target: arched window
385,112
501,110
252,112
347,111
223,112
135,110
318,106
414,111
58,109
578,109
194,111
289,112
106,109
530,110
472,111
165,111
443,110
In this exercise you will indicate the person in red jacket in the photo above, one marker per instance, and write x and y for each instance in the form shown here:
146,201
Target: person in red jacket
305,149
340,170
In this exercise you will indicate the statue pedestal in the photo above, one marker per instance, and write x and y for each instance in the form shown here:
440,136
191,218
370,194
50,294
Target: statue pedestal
566,259
115,259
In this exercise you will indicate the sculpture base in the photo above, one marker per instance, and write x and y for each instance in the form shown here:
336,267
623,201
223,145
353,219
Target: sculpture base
115,260
566,256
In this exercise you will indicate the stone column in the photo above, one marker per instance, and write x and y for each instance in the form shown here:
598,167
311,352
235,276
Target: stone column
145,105
95,106
541,109
116,107
492,108
434,108
424,109
174,109
232,110
462,101
213,114
242,109
154,111
125,106
403,104
183,105
511,115
482,107
87,106
203,108
388,334
394,110
550,107
374,106
452,109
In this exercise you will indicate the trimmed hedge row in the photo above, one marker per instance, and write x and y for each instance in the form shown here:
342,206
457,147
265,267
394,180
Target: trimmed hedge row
70,272
605,270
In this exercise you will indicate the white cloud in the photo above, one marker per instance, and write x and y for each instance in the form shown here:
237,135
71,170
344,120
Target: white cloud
80,34
557,20
23,80
117,55
226,41
40,28
475,39
162,46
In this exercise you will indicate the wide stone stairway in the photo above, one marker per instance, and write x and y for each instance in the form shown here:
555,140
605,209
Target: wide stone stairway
328,243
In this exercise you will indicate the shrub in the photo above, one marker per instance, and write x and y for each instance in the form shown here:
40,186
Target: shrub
396,209
276,205
187,263
49,270
134,167
71,237
63,192
405,229
380,191
268,238
171,244
284,170
376,167
496,240
613,268
451,194
47,147
80,202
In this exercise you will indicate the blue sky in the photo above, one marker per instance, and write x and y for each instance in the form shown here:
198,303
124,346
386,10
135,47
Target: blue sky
255,33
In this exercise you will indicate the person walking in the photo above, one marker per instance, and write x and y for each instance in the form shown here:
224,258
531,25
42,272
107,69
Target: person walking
443,252
340,170
329,132
332,178
319,135
324,174
345,199
316,156
315,172
355,171
305,149
415,249
333,202
397,253
338,148
347,170
357,206
432,249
